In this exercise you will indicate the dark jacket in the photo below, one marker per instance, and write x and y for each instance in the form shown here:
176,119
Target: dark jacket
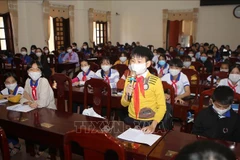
209,124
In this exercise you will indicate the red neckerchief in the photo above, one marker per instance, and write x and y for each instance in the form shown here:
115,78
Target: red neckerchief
138,86
107,79
174,83
84,78
232,86
34,89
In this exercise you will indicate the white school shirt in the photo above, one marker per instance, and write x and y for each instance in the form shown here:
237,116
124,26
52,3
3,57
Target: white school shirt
20,90
226,82
165,68
113,77
89,75
182,81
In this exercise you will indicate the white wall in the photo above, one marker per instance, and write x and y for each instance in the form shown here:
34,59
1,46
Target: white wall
142,21
138,21
218,25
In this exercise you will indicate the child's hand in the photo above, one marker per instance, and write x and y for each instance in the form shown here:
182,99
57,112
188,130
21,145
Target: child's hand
149,129
177,99
75,84
128,91
167,96
33,105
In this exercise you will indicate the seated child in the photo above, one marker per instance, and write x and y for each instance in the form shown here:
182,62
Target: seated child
219,121
122,59
147,105
233,81
223,68
191,54
207,63
187,64
84,75
178,80
162,67
156,55
13,93
111,76
37,91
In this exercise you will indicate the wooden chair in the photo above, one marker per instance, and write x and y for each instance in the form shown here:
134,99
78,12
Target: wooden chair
52,60
94,143
4,145
2,66
153,71
17,66
198,66
58,83
94,67
18,55
217,66
121,68
169,88
98,87
194,84
218,74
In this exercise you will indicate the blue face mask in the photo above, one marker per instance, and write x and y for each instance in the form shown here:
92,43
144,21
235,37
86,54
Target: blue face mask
181,52
162,62
203,59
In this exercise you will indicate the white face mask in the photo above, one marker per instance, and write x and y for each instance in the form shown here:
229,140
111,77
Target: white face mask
221,111
39,54
23,53
35,75
11,86
46,51
234,77
69,50
224,70
85,47
123,59
85,68
174,72
99,48
187,64
190,54
154,53
139,68
33,50
105,67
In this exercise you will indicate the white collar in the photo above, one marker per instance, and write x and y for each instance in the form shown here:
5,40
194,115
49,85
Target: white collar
144,74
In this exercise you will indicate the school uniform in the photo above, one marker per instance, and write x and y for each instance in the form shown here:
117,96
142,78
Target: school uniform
162,69
149,103
227,82
84,76
112,78
40,92
17,90
178,84
209,124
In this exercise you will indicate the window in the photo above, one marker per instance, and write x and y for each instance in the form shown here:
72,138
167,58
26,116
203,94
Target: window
61,32
6,37
100,32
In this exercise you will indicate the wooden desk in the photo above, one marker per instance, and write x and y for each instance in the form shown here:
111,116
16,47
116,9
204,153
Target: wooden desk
23,126
60,67
175,141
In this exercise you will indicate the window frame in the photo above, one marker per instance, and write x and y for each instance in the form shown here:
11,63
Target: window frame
101,32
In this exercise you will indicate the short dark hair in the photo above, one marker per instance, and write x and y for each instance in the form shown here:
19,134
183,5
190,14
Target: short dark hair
162,55
106,59
176,63
38,64
45,47
187,58
161,50
84,60
206,44
33,47
234,66
39,49
209,52
224,99
142,52
74,43
205,150
24,48
10,74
